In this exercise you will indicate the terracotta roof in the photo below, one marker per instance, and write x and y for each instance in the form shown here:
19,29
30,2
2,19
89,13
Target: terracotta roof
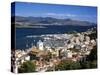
34,49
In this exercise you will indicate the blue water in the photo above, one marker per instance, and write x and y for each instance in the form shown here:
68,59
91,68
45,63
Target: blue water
21,33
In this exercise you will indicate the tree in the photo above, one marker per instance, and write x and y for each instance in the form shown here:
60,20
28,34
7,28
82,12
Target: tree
27,67
93,64
93,35
85,65
91,61
49,55
93,55
88,64
68,65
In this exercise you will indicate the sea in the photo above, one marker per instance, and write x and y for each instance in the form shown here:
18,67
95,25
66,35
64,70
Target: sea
24,42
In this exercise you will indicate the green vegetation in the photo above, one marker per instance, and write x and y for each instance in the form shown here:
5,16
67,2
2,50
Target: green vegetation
93,35
68,65
91,60
27,67
49,56
88,64
93,54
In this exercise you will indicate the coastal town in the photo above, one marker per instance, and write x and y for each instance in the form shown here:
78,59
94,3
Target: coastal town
54,48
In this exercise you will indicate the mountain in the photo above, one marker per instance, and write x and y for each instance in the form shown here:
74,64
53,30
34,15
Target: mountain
33,21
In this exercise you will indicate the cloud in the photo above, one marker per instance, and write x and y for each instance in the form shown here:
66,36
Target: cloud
68,15
61,15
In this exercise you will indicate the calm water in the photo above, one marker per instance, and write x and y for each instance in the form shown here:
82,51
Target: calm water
21,33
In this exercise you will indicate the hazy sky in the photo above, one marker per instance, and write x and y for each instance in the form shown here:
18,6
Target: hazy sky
84,13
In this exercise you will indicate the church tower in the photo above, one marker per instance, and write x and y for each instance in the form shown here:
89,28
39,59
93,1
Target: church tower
40,45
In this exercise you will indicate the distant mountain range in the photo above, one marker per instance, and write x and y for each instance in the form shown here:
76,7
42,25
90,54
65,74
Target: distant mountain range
33,21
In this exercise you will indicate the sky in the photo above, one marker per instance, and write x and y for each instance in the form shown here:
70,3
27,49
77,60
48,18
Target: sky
84,13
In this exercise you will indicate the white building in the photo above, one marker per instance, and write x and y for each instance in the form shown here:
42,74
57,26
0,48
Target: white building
87,38
69,54
27,58
70,46
77,39
81,38
48,48
93,42
40,45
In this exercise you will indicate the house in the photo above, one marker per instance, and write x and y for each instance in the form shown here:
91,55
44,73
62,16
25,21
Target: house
69,54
